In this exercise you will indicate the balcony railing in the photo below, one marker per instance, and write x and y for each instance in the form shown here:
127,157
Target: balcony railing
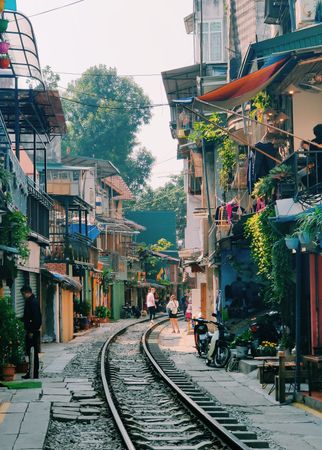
74,247
307,172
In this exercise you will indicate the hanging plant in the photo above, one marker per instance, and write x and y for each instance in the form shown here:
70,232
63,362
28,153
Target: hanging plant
4,61
4,47
260,103
227,154
15,232
3,25
266,186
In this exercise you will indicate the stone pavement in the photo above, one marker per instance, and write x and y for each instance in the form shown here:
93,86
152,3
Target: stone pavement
25,413
289,426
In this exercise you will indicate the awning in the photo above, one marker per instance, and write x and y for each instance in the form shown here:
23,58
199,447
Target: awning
243,89
65,281
118,185
7,249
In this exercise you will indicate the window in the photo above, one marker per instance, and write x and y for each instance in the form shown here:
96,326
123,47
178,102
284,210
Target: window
211,41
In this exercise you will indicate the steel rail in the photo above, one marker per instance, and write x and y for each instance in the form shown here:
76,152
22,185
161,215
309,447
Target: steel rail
214,425
108,395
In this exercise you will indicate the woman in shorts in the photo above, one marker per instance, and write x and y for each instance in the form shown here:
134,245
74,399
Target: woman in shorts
173,307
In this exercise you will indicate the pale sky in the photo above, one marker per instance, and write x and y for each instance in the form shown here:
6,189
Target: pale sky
135,36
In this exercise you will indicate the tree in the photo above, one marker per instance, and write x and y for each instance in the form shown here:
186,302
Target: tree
171,197
104,113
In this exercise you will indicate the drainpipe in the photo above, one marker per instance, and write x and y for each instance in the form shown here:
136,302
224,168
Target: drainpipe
298,319
291,5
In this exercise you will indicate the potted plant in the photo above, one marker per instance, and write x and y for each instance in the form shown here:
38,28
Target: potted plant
242,342
267,348
85,309
3,25
292,241
12,338
4,47
310,225
103,313
4,61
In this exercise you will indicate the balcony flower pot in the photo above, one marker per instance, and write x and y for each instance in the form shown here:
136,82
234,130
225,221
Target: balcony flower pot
4,63
292,243
4,47
305,237
8,371
3,25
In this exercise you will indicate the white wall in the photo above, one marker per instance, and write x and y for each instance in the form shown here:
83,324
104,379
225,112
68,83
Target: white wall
307,112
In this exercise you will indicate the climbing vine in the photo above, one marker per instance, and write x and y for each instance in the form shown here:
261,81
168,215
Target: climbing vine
15,232
260,103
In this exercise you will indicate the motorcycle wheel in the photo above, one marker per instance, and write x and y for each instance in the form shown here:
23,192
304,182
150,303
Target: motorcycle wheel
221,355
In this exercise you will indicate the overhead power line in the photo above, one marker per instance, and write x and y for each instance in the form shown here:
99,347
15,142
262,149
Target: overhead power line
57,8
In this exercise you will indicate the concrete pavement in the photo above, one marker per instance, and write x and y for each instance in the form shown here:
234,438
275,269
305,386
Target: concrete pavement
290,426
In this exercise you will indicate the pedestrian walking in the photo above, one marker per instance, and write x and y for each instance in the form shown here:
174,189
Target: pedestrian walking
32,324
150,303
172,307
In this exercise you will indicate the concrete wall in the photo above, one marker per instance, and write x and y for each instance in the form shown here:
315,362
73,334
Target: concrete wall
309,106
117,300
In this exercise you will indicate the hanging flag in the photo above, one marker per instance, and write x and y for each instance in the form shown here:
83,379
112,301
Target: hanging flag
10,4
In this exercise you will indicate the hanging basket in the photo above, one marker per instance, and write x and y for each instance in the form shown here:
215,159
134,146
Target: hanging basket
292,243
3,25
305,237
4,63
4,47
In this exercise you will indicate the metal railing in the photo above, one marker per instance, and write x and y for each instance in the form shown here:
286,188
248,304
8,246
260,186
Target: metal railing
307,171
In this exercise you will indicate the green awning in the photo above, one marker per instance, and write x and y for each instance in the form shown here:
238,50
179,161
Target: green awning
7,249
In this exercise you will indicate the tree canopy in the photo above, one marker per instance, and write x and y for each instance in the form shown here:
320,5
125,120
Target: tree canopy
171,197
104,113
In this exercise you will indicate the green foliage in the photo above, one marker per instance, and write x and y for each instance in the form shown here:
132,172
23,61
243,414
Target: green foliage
260,103
311,222
282,273
170,197
102,312
147,258
208,131
262,237
227,153
15,232
11,334
104,113
227,149
161,245
266,186
85,308
243,339
106,280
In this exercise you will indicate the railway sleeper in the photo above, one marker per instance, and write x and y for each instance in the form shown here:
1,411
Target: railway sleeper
199,446
165,430
169,438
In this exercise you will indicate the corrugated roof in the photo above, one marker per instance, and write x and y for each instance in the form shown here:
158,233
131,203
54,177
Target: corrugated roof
118,184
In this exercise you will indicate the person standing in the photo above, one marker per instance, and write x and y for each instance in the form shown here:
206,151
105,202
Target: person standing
32,324
184,303
150,303
173,307
188,315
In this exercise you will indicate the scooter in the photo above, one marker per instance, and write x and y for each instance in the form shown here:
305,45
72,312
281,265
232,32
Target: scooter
218,348
201,335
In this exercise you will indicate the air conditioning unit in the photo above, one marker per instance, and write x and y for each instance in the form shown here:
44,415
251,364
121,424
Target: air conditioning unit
274,11
305,11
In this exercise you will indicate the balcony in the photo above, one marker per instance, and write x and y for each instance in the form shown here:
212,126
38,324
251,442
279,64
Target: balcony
307,174
74,247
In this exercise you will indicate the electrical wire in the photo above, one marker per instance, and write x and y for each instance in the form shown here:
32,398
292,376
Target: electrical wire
57,8
113,108
84,74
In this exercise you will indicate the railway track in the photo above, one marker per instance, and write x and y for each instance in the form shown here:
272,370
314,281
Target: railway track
157,407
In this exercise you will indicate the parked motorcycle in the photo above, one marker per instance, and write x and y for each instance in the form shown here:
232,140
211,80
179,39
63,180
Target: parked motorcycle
218,348
201,335
266,328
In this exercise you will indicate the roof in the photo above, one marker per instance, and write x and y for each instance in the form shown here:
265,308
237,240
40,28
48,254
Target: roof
164,256
67,282
104,168
72,202
120,226
23,52
304,38
118,184
181,82
39,111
